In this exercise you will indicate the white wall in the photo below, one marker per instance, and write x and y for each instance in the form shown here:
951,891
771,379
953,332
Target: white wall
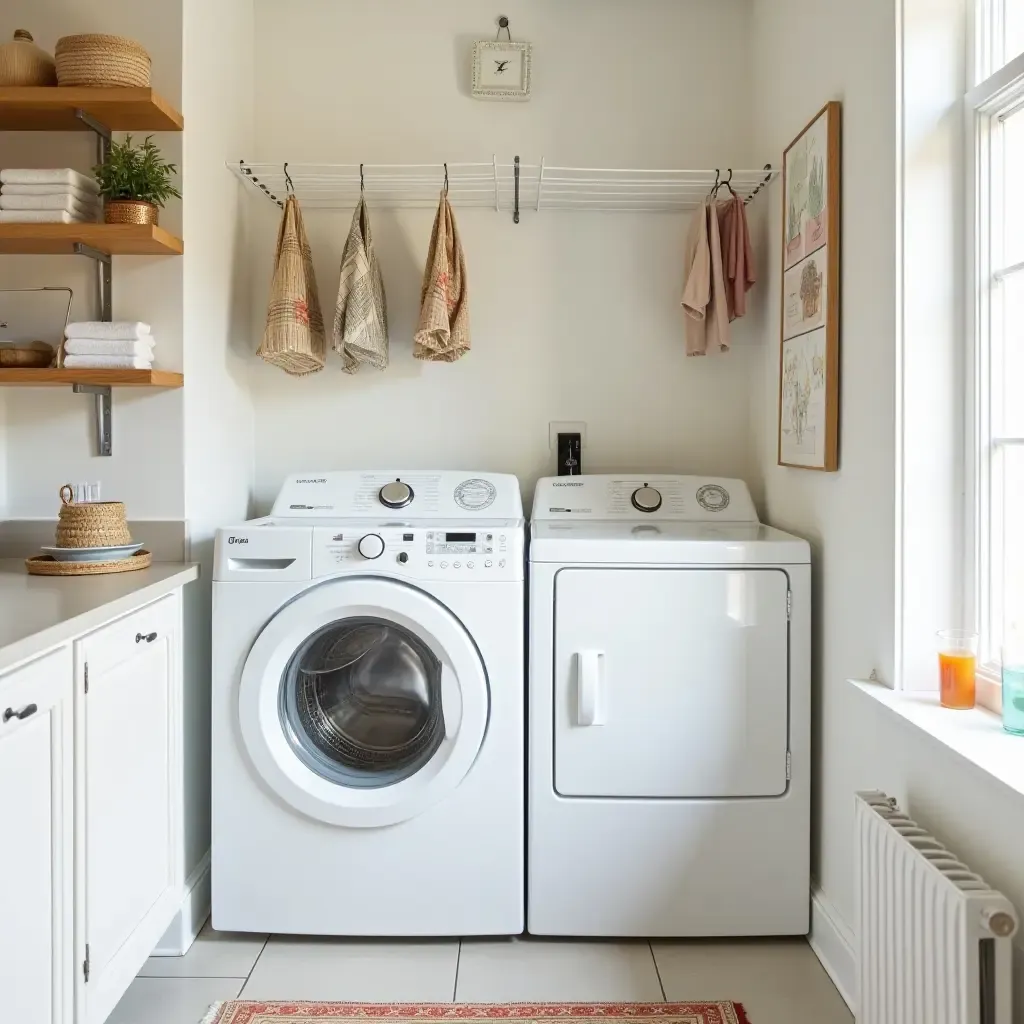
850,516
574,316
217,70
50,432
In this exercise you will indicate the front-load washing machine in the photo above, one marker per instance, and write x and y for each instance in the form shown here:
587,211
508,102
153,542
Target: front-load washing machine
669,748
368,708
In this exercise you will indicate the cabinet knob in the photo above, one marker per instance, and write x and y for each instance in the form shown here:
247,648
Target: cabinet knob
148,637
28,709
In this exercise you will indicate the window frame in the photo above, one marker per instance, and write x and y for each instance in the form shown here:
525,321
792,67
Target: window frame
989,101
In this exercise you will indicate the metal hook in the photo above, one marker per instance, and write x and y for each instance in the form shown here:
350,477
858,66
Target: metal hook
718,178
503,24
362,180
288,184
446,179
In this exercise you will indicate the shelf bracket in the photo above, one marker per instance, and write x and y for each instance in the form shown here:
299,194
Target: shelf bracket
101,392
104,280
90,122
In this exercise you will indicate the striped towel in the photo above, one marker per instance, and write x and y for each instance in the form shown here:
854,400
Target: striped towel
44,217
81,194
113,330
89,208
48,176
109,347
361,314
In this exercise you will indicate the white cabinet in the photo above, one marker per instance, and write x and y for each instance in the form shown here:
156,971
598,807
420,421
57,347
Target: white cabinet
36,848
129,790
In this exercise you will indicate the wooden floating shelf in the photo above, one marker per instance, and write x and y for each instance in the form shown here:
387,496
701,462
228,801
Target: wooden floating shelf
18,377
52,109
112,239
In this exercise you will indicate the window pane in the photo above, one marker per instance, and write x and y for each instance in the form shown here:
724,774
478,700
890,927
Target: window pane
1011,227
1012,567
1013,29
1007,361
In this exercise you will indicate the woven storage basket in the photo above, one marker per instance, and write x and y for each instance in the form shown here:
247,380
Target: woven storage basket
100,60
47,565
90,524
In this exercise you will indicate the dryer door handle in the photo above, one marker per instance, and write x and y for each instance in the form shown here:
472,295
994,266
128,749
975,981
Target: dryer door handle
591,698
451,701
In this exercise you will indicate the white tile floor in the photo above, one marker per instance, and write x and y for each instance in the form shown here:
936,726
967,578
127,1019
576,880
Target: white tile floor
778,980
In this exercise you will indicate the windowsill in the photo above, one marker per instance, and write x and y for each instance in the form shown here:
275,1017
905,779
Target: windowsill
977,736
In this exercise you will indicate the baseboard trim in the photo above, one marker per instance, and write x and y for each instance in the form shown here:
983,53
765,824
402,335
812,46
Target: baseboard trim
834,945
192,914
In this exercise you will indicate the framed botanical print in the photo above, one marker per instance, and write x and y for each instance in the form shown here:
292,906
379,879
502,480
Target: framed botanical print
809,350
501,70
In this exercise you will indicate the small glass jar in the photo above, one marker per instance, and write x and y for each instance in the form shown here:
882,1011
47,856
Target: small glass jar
958,653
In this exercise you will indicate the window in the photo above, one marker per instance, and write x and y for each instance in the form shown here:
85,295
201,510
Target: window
995,400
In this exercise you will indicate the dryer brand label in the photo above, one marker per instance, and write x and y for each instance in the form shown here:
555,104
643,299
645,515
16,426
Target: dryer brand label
713,497
238,540
312,480
559,483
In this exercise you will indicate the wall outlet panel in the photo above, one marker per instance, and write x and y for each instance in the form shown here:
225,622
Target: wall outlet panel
566,427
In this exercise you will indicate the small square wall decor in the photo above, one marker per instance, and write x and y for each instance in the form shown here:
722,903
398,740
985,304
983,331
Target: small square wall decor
501,70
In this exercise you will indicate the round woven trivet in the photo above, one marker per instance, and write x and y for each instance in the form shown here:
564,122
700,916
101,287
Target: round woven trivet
47,565
101,60
91,524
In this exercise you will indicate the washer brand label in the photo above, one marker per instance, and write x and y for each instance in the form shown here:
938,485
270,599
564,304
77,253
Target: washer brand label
312,480
238,540
713,497
578,483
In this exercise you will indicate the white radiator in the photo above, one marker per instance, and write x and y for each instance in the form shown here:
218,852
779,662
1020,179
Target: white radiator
933,938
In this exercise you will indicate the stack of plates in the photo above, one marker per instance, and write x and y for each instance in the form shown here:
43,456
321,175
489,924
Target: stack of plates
110,554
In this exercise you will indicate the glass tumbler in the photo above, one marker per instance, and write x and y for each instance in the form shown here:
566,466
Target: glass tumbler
1013,684
958,651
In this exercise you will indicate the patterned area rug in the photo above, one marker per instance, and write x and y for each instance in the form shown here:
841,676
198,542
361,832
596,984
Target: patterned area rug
243,1012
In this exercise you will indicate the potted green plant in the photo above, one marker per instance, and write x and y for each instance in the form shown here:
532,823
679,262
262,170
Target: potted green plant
135,181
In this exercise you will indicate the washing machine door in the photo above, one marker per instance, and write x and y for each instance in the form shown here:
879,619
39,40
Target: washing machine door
363,702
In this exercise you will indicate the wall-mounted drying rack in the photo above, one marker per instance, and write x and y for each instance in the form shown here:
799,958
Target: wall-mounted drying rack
504,187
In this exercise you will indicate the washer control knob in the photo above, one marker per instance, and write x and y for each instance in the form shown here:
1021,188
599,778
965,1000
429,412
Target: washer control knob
403,557
371,546
395,494
646,499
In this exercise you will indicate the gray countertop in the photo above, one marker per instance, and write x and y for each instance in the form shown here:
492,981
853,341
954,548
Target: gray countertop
40,612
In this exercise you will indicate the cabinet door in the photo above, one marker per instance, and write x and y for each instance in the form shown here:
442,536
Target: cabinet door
36,869
130,792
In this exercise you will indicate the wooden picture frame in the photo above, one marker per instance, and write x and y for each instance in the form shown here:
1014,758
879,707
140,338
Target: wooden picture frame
808,425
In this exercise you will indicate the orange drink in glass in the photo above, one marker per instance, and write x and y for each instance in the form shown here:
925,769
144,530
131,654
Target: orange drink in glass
958,650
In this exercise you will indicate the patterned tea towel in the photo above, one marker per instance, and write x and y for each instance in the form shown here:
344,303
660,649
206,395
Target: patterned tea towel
294,336
443,333
361,314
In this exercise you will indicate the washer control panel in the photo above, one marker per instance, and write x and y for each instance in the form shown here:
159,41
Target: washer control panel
494,552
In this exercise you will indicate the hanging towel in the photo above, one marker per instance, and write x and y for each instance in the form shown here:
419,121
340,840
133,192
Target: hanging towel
81,194
294,335
108,362
43,217
109,347
704,295
48,176
443,333
737,256
360,332
121,330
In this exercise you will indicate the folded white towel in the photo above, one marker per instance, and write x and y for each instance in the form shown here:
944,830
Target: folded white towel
44,217
113,330
107,363
48,176
110,347
87,208
81,194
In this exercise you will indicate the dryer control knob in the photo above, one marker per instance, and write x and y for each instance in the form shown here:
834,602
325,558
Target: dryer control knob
371,546
646,499
396,494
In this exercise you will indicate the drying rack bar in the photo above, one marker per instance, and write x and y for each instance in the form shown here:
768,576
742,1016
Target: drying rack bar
501,186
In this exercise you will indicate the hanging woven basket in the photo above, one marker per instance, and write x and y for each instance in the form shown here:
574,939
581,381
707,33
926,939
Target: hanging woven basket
101,60
90,524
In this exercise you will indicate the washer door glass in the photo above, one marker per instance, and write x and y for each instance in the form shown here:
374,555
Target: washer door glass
361,702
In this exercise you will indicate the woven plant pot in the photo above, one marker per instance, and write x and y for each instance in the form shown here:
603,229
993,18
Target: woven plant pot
24,63
130,211
101,60
90,524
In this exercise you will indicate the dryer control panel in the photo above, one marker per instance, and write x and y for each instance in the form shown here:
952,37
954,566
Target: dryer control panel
692,499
